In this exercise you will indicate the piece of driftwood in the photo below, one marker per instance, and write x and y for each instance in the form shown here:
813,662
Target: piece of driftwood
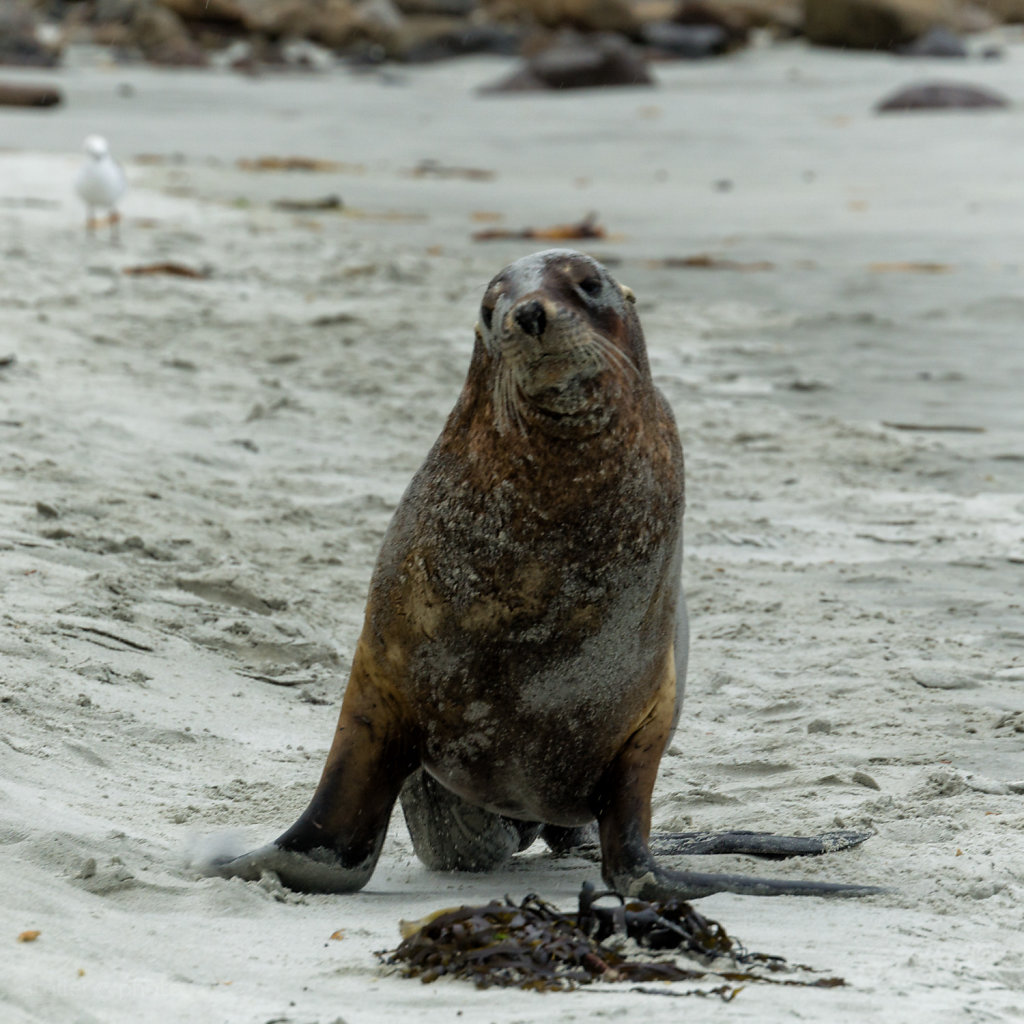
586,228
288,163
937,428
331,202
170,267
705,261
29,95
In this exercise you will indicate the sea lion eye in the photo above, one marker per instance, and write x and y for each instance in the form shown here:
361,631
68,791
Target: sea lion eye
487,314
590,286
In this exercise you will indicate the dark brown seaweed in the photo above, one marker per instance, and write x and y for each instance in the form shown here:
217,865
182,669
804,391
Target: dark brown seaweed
533,945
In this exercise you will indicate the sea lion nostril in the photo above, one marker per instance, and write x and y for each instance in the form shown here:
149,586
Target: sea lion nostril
531,318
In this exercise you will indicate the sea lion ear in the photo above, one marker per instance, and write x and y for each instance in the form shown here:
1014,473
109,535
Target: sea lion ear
628,294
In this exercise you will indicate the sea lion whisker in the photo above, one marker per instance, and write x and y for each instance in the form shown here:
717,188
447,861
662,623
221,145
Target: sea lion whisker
507,401
612,355
499,402
514,400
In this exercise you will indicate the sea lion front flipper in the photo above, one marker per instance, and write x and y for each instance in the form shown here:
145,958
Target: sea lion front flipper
623,809
335,843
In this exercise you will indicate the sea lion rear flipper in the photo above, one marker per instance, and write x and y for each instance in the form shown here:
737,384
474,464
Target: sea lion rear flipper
629,867
450,834
623,810
765,845
583,842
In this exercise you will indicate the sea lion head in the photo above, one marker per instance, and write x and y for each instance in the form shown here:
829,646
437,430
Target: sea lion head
564,343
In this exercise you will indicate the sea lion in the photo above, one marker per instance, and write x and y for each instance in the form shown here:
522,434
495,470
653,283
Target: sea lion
521,665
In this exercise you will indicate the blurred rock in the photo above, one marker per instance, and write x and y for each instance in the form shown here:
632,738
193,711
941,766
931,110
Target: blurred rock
285,19
648,11
336,24
414,44
725,16
121,11
24,41
163,38
875,24
340,25
687,42
258,54
366,23
577,61
419,34
444,8
781,17
584,15
704,28
943,96
218,12
972,17
178,32
149,26
1008,11
784,17
301,54
936,42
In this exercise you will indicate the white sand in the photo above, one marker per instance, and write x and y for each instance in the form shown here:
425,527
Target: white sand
215,461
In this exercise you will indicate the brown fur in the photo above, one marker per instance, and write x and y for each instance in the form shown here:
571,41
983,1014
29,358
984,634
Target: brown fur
521,664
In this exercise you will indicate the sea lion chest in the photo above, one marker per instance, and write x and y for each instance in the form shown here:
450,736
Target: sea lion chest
531,606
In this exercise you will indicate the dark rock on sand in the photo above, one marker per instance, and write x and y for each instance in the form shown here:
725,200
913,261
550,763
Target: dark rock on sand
12,95
942,96
579,62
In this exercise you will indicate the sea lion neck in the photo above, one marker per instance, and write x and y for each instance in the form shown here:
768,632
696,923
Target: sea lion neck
616,420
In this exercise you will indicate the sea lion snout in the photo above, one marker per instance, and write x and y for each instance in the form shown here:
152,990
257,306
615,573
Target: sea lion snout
531,318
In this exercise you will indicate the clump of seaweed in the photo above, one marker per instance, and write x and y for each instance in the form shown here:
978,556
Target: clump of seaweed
533,945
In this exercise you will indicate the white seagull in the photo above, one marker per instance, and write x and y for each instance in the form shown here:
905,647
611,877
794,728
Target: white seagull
101,183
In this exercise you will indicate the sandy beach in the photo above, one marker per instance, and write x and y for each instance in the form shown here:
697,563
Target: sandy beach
196,474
